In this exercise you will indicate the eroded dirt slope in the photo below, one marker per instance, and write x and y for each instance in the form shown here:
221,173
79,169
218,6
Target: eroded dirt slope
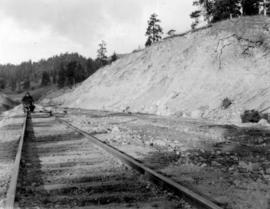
188,75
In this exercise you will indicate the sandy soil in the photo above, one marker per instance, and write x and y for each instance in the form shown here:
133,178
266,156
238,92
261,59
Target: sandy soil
188,75
229,164
10,131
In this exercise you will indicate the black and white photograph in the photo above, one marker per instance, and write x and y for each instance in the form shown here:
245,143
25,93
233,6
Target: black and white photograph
134,104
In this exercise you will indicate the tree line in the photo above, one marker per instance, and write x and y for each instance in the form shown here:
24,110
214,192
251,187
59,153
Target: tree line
217,10
61,70
212,11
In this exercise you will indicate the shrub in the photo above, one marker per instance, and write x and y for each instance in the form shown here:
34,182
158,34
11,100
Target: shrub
226,103
251,116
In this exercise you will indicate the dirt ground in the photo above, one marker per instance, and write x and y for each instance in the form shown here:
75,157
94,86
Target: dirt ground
228,164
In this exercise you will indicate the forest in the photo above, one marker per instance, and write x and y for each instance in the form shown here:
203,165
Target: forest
61,70
217,10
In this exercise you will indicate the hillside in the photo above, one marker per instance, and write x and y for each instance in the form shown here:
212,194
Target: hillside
187,75
6,103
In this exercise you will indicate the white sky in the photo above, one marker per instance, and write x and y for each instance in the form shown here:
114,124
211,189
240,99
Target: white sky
35,29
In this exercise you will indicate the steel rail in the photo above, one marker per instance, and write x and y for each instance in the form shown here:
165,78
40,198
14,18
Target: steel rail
11,193
152,175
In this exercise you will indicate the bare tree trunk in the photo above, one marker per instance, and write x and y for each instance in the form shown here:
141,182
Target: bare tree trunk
206,11
265,7
241,7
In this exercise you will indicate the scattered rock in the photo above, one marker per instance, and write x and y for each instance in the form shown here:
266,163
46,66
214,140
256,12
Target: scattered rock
160,143
116,133
243,164
203,165
215,163
149,143
263,122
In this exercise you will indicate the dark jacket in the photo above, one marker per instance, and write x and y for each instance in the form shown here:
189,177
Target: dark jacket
27,99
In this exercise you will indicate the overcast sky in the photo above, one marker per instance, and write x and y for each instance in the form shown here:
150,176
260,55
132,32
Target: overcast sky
35,29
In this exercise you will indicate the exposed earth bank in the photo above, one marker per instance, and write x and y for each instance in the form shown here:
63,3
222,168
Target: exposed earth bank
187,75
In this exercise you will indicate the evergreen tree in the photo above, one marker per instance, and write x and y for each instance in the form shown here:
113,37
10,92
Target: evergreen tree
217,10
2,83
250,7
101,53
100,63
54,77
148,42
45,80
26,84
207,8
91,67
114,57
204,8
195,15
61,76
70,73
225,9
15,75
153,31
80,74
13,84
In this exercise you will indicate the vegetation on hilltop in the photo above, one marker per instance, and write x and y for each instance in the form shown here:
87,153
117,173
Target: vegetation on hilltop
154,31
61,70
217,10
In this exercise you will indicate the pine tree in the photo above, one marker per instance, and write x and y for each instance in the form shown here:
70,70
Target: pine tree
70,73
61,76
54,77
80,74
91,67
26,84
2,83
13,84
45,80
204,8
114,57
101,53
153,31
250,7
195,15
148,42
217,10
225,9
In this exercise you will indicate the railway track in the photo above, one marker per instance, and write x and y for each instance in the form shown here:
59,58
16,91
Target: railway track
60,166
